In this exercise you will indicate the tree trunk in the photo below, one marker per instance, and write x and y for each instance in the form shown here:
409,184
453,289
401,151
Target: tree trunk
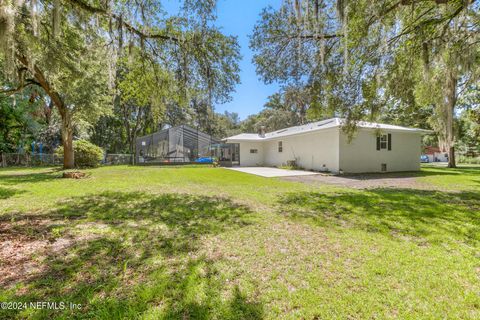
67,141
451,101
132,132
128,128
131,145
56,99
451,157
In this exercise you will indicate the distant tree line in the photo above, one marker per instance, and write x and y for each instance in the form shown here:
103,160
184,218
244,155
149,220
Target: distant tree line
411,62
104,65
110,71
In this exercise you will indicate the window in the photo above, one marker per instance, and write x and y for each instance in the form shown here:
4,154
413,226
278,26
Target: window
253,151
384,141
384,167
280,146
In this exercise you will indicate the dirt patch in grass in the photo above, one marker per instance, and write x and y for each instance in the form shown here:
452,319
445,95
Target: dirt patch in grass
364,181
74,175
24,246
17,259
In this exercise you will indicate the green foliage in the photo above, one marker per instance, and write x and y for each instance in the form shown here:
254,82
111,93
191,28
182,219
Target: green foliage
225,124
292,106
21,120
469,160
374,59
86,154
144,83
468,124
109,133
123,62
72,61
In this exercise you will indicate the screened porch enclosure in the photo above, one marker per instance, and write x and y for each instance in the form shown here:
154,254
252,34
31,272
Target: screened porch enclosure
227,154
177,144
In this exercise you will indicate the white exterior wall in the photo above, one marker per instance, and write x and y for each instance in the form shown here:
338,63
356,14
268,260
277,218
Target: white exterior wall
361,154
248,159
311,150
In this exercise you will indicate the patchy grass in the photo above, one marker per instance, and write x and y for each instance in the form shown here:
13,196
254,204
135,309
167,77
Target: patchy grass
203,243
462,178
420,215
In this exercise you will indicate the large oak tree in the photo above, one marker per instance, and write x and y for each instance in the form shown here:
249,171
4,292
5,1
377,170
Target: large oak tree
70,49
359,57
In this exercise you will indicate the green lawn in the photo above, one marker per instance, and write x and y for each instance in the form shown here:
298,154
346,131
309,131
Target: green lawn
209,243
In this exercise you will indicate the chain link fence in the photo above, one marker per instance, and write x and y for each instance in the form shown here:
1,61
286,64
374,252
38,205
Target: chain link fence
117,159
45,159
29,160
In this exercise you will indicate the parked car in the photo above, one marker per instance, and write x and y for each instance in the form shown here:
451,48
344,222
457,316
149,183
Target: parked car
424,159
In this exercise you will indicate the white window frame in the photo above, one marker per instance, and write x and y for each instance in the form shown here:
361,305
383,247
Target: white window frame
383,142
280,146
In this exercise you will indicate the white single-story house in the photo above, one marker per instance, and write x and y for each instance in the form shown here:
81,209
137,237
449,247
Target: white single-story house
323,146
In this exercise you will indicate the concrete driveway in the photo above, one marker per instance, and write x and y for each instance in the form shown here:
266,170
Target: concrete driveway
272,172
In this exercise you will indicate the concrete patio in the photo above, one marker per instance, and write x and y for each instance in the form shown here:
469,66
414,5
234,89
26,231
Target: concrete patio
272,172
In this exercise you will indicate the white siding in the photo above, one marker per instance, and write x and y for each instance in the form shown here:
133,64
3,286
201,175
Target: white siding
311,150
248,159
361,154
330,150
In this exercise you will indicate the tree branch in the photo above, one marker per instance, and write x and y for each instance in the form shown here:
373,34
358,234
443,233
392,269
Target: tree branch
9,92
315,37
105,12
373,19
41,80
12,91
416,26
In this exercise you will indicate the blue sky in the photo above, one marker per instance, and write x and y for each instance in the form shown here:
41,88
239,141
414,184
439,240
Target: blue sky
237,17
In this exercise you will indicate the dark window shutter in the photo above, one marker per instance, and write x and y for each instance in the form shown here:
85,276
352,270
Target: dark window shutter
378,143
389,141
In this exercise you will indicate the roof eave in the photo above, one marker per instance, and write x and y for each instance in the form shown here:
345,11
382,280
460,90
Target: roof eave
412,130
233,140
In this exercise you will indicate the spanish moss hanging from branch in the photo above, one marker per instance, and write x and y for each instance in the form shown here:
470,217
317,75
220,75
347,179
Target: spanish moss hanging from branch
34,18
56,17
345,38
8,12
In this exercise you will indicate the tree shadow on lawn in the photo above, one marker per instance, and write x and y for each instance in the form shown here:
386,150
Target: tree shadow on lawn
6,193
419,215
129,255
30,177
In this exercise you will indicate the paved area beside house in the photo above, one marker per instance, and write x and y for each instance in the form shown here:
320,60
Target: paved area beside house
272,172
